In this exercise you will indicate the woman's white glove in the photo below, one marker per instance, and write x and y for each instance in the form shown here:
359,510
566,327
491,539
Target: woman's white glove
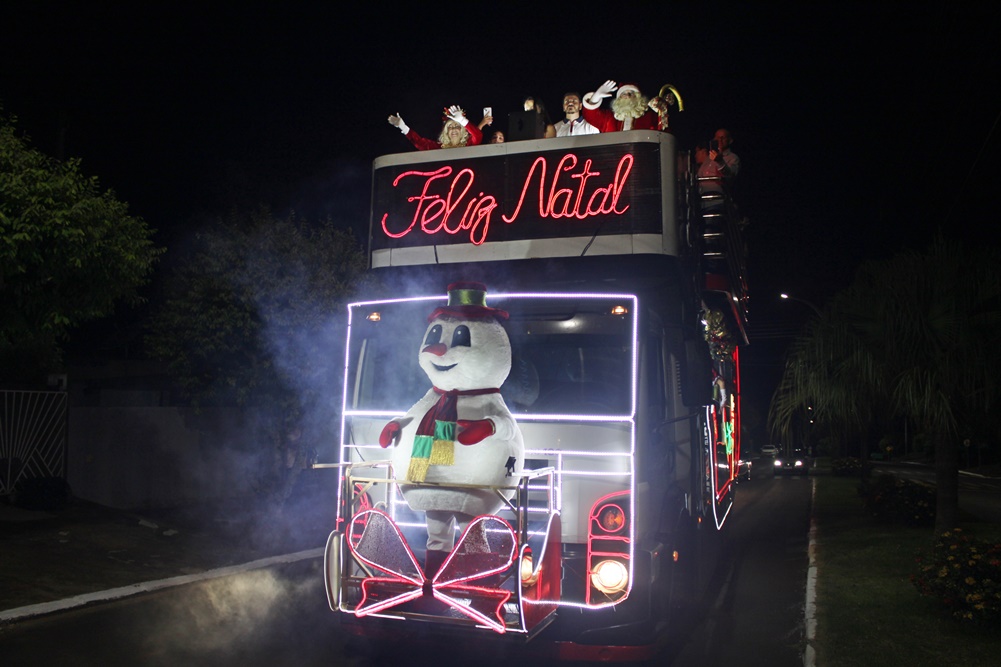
458,115
396,121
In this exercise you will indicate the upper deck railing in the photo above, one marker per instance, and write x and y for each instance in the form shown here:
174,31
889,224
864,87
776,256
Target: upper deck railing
603,194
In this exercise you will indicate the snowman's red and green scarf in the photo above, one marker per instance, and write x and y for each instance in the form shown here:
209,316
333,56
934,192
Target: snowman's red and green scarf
434,442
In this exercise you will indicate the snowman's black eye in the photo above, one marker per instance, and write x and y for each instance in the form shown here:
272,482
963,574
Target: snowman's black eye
460,337
434,336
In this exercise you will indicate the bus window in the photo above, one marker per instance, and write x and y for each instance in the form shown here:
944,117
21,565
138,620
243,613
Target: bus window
653,381
578,373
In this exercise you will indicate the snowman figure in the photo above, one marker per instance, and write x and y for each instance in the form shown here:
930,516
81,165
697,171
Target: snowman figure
461,431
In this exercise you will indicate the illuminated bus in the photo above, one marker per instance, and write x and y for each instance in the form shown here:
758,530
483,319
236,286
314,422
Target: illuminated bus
626,302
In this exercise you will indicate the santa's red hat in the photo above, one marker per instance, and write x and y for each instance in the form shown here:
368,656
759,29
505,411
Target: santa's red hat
468,300
625,87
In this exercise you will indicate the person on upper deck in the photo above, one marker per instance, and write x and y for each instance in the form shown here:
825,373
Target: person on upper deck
456,131
487,120
720,153
631,110
708,174
531,103
573,125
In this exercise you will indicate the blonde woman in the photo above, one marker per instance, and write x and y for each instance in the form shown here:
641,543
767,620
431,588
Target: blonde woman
456,132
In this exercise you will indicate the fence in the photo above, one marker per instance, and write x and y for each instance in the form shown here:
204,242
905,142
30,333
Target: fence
33,436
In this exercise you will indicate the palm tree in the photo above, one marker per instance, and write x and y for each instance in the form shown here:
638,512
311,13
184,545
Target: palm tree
915,336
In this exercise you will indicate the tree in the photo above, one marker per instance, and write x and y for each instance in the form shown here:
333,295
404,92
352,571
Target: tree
68,254
915,336
252,318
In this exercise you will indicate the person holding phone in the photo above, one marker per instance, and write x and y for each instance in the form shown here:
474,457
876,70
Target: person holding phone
532,103
488,118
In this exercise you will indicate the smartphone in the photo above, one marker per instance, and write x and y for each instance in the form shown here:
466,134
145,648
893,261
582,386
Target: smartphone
488,111
714,145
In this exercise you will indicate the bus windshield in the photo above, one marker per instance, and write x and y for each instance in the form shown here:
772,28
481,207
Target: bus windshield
571,355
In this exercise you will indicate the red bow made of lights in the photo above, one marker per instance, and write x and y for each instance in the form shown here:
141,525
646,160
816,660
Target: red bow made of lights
486,548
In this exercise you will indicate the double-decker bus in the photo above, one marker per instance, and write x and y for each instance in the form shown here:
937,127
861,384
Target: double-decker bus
626,299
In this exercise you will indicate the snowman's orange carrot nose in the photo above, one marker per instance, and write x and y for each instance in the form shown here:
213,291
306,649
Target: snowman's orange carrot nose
437,349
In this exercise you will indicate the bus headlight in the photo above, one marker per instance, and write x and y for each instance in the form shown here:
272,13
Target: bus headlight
610,576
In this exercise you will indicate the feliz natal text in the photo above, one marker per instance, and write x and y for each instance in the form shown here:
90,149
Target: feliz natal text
444,206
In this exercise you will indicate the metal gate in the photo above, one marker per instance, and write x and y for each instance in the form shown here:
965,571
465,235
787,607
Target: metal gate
32,436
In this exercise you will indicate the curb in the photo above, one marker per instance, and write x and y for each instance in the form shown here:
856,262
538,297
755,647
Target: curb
44,608
810,655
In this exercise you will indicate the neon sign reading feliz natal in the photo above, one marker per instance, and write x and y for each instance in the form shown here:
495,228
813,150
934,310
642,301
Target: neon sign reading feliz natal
450,210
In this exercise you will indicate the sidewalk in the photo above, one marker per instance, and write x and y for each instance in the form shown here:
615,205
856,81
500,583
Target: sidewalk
85,548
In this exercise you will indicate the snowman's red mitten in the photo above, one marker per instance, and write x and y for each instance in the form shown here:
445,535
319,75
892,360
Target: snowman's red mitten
390,434
474,430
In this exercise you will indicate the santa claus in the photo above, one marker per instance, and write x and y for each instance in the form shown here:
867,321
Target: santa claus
631,110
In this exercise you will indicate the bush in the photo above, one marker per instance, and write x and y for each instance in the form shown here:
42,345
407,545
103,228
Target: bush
899,500
845,467
964,575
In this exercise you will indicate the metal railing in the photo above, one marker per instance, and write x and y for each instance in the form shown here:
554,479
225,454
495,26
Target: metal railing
33,436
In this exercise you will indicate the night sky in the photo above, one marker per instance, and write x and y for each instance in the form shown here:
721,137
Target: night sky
861,129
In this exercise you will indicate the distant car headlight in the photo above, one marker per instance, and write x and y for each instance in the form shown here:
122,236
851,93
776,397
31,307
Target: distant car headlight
798,464
778,463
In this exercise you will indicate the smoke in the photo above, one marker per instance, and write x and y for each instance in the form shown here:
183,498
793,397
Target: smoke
256,319
295,275
254,618
309,360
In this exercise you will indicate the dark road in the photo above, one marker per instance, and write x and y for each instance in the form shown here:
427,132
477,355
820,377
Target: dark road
758,616
279,616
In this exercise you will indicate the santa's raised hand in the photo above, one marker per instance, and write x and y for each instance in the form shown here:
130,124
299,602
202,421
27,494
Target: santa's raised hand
605,90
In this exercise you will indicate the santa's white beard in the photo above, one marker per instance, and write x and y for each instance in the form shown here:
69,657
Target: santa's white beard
624,107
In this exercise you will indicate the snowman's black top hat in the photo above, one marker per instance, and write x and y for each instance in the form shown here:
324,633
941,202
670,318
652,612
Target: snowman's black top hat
468,300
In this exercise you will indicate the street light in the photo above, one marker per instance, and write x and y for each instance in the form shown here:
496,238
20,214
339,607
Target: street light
794,298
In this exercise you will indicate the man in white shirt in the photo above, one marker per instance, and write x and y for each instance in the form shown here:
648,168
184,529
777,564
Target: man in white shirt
573,125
